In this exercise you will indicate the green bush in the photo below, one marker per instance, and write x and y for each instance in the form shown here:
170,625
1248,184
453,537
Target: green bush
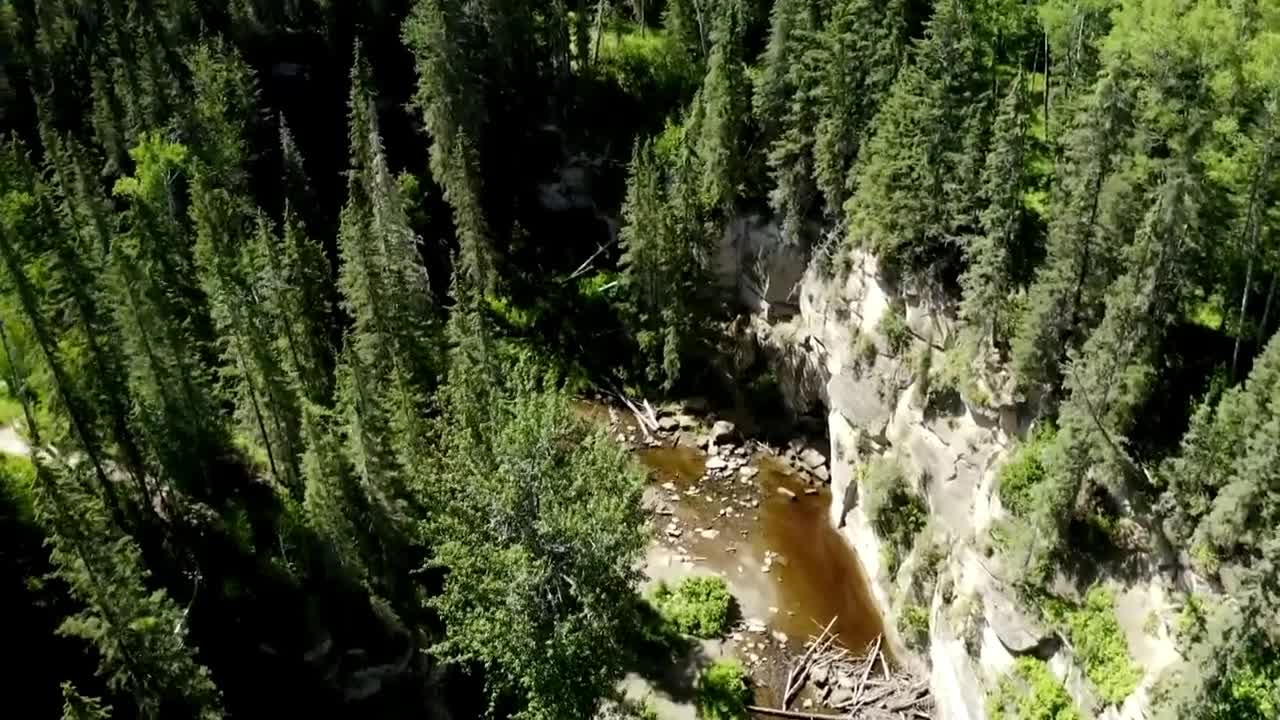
1031,692
1101,647
913,625
700,606
1020,475
723,692
896,511
864,350
893,326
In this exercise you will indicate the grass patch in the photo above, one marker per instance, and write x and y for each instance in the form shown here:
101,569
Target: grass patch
723,692
700,606
896,511
1019,476
1100,645
1031,692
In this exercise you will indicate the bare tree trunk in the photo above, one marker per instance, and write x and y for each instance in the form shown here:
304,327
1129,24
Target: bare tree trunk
1251,231
1266,310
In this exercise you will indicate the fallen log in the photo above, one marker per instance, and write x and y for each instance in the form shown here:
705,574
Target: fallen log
802,715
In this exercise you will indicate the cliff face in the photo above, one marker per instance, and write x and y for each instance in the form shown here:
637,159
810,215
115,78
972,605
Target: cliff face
823,334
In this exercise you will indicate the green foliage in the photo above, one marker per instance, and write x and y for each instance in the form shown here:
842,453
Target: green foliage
1023,472
700,606
913,625
1031,692
78,707
541,539
722,691
895,509
917,188
649,67
1101,647
893,326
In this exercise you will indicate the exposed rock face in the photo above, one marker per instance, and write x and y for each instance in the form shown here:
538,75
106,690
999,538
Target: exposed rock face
831,354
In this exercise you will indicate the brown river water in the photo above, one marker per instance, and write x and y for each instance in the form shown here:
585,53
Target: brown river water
782,558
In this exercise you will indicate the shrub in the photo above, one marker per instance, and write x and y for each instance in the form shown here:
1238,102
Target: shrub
1020,475
864,349
1031,692
722,692
1101,646
897,513
699,606
913,624
893,326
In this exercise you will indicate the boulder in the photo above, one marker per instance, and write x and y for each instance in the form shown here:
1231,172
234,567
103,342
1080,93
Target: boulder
1018,631
812,458
668,423
722,432
716,462
840,696
819,675
685,420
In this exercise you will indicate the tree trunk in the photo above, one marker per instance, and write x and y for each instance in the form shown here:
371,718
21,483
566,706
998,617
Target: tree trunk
1251,232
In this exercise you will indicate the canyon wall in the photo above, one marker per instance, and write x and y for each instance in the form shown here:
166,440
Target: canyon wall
820,326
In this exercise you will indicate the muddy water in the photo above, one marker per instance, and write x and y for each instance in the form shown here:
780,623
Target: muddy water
782,559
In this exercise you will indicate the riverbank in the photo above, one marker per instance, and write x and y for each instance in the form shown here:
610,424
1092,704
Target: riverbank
755,515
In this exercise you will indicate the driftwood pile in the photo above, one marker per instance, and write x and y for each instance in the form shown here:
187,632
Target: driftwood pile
866,688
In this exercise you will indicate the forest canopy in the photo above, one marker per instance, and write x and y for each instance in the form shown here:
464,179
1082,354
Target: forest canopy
295,298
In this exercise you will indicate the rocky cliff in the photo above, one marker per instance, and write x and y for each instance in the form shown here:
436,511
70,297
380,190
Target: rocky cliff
825,334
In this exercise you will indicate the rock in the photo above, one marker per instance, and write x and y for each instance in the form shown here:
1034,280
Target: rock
1018,631
709,534
756,625
668,424
818,675
858,400
845,681
811,491
716,463
722,432
821,473
786,493
668,486
749,472
779,636
840,696
686,421
696,404
813,458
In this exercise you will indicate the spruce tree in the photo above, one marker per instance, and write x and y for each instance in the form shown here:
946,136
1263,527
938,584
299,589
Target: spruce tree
1111,376
1082,244
988,277
451,99
917,187
725,98
860,50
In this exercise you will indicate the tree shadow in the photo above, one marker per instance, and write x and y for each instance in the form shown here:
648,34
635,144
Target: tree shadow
663,656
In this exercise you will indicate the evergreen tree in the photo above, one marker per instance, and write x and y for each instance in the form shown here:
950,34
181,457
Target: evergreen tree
163,321
1090,225
1220,502
785,105
389,361
140,633
1110,378
542,538
450,97
860,51
916,190
988,278
726,101
666,258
